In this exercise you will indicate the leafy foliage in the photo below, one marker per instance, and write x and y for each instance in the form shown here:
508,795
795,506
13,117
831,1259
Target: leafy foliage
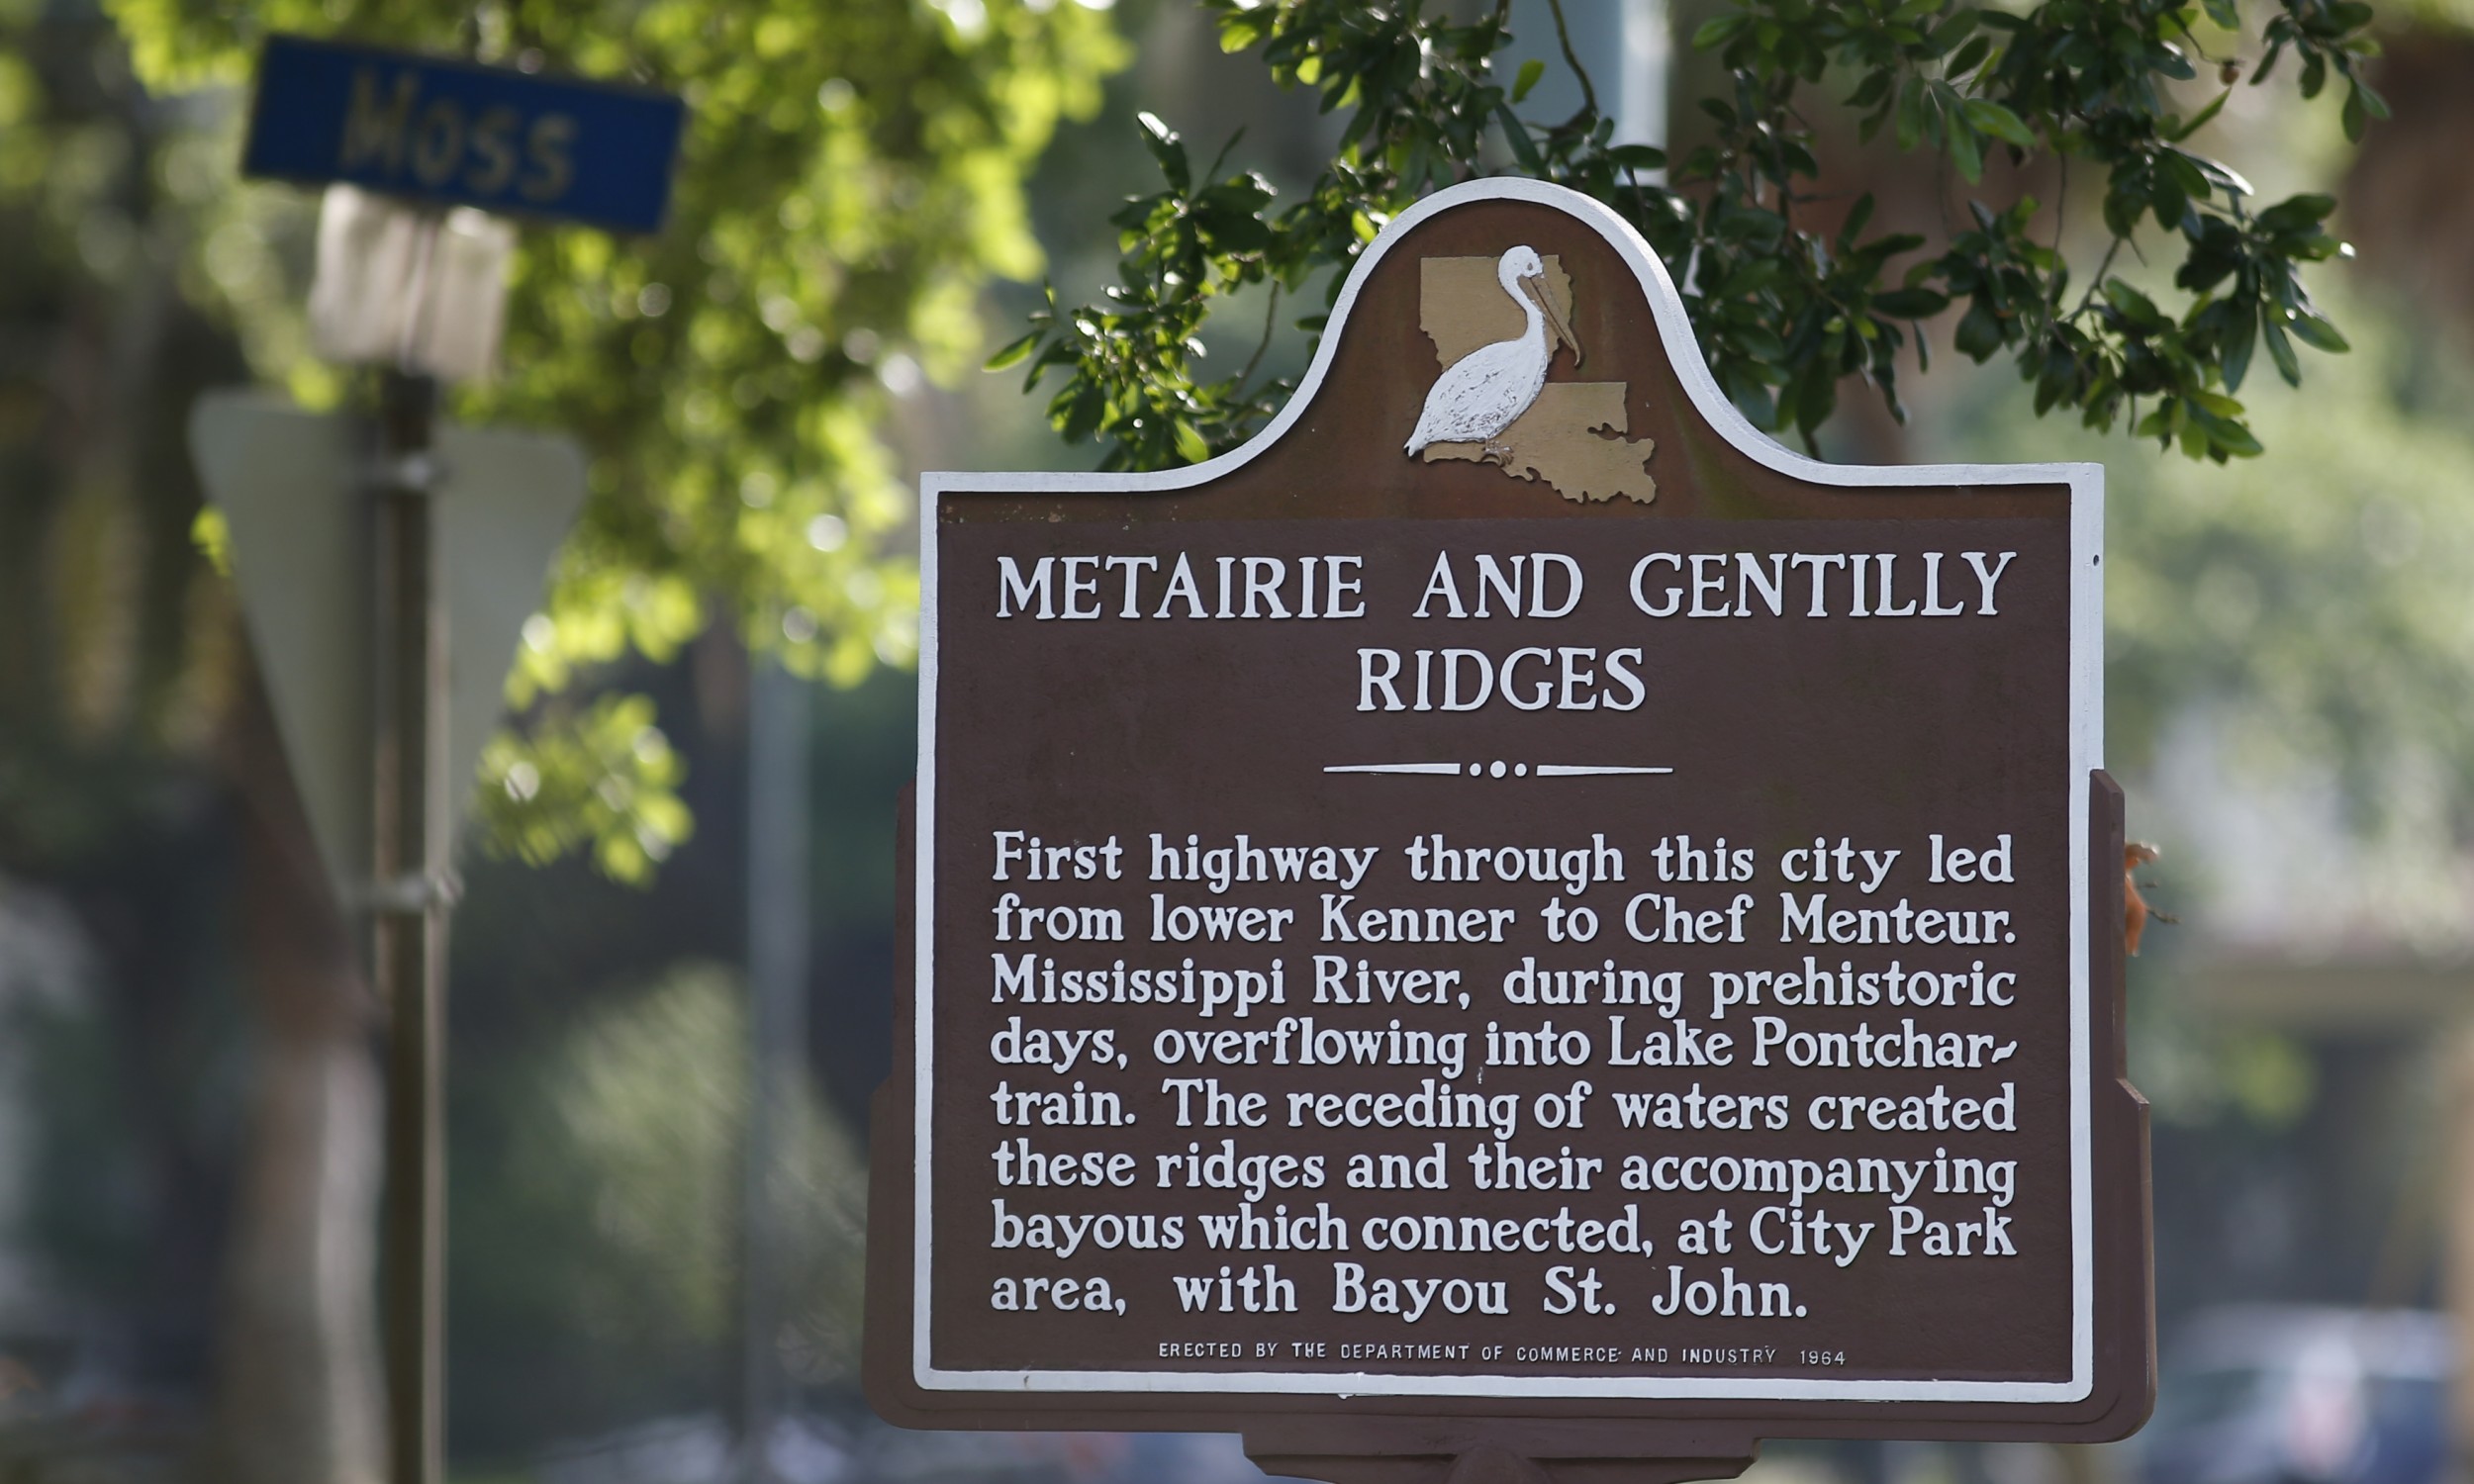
2313,603
604,779
1785,309
850,180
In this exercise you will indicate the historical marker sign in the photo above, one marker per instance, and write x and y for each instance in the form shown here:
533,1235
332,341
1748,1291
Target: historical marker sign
1513,913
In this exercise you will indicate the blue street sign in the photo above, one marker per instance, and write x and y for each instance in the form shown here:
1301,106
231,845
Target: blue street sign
459,133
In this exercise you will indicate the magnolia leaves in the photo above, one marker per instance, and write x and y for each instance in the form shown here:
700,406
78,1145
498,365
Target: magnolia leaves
1786,308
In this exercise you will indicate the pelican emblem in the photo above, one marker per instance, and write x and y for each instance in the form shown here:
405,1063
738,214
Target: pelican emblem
1486,391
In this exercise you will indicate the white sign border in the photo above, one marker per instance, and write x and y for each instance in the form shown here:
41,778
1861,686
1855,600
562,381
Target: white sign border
2086,754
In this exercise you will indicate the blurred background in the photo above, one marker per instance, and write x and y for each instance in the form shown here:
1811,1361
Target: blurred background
872,195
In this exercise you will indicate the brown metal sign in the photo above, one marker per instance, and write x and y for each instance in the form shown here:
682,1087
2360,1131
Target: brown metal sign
1512,912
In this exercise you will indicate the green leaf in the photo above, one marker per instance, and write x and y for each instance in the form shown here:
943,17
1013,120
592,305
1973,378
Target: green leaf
1190,443
1717,32
1752,399
1976,49
1013,353
1910,304
1966,153
2187,174
2281,352
2166,195
2224,177
1760,342
1077,412
1816,396
2295,213
1990,117
1950,33
2227,433
1530,71
2317,333
1166,148
1910,113
1751,278
2198,120
2240,339
1516,135
2135,306
1979,332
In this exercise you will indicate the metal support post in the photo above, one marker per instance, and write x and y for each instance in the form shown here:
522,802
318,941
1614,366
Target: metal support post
409,905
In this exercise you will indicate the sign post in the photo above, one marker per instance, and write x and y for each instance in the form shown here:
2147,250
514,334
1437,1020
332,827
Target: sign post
354,571
444,134
411,887
1512,928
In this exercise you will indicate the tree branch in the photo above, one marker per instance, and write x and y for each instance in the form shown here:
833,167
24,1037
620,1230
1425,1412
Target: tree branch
1270,317
1564,39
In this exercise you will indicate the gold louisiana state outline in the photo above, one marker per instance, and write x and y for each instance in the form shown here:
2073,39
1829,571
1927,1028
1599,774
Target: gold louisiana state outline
1572,434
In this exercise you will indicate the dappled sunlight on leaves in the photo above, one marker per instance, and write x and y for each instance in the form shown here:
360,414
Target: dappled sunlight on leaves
850,181
1785,306
602,778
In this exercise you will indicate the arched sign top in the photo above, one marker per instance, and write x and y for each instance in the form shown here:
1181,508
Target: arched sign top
1512,901
1616,289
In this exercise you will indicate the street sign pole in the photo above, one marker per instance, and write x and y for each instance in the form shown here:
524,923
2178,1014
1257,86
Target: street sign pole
352,579
419,287
409,906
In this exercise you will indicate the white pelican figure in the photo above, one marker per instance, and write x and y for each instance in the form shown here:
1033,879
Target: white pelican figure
1486,391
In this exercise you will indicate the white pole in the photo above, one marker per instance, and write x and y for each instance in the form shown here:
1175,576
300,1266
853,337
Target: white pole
1641,92
778,729
1623,44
